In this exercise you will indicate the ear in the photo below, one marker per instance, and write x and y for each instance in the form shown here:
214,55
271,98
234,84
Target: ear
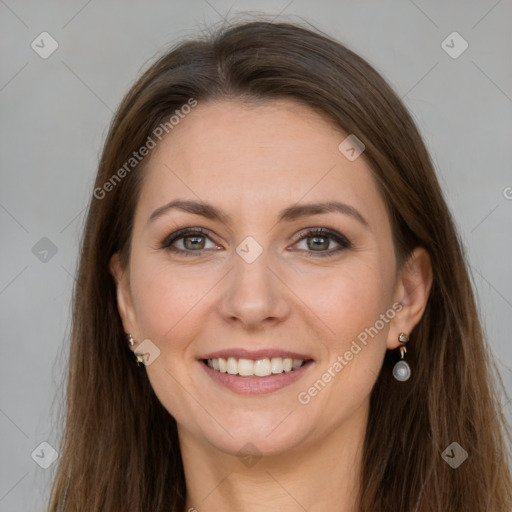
412,290
124,297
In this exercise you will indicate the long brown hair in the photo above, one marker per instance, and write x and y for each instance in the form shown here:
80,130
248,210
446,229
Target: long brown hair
120,448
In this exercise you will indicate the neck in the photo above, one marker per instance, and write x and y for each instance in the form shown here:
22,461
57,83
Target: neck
317,475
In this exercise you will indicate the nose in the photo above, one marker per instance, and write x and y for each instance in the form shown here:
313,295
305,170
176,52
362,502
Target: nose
253,295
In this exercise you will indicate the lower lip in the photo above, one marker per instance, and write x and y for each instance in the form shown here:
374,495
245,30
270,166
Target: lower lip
256,385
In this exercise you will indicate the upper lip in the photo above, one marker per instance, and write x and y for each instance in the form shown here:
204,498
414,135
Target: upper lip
242,353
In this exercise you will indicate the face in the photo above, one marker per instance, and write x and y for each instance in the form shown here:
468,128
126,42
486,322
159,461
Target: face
259,274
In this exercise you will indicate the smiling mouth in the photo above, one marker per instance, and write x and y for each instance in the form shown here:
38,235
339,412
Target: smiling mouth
255,368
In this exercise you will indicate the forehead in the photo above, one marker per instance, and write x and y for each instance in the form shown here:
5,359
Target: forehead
255,154
235,131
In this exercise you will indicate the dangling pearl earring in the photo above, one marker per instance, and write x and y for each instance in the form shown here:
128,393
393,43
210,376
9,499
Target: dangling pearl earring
401,370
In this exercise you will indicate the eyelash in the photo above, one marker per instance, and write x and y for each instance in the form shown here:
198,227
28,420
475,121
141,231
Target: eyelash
340,239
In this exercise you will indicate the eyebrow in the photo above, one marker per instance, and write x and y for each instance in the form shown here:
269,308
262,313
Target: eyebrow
288,214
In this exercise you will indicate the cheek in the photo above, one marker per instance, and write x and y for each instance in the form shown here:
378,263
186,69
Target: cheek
348,299
169,302
356,306
166,298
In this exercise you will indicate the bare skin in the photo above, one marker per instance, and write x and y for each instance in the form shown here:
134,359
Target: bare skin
252,162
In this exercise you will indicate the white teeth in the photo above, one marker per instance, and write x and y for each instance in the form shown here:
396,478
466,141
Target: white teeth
245,367
259,368
262,367
232,366
297,363
276,365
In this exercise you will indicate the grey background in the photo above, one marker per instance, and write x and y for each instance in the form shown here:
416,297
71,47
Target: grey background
55,113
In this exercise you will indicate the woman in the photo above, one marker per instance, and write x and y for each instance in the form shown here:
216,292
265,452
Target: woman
273,310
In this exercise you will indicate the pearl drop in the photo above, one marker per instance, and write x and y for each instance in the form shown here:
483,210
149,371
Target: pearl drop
401,371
